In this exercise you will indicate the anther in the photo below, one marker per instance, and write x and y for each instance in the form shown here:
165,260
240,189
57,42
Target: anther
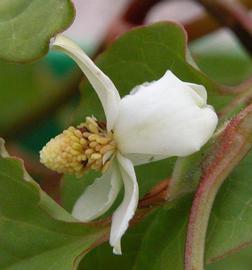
89,146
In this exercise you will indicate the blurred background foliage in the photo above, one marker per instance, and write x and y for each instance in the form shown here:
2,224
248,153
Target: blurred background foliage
38,100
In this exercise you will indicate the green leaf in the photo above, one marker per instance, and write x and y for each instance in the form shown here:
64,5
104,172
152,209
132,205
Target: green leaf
231,219
35,232
230,69
27,26
238,261
157,243
221,57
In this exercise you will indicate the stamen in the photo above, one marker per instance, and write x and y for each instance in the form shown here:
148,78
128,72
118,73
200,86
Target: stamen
77,150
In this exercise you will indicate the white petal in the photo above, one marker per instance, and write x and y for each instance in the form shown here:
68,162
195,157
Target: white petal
200,89
139,159
167,117
190,59
98,197
169,80
124,213
102,84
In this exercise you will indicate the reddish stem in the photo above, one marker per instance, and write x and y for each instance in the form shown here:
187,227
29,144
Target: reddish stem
233,15
232,145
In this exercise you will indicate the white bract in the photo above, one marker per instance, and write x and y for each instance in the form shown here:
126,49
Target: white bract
157,120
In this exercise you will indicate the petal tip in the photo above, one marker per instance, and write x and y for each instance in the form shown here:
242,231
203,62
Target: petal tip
117,249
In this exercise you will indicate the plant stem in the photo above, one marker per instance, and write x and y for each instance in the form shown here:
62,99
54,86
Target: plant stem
232,145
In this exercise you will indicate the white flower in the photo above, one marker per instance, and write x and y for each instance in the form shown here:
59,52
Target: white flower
157,120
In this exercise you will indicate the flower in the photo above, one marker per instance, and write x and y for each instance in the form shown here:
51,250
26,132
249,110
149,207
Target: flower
157,120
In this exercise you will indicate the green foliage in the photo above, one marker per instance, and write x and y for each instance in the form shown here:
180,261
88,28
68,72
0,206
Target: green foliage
156,243
36,233
144,55
231,218
229,68
28,91
27,26
221,56
240,260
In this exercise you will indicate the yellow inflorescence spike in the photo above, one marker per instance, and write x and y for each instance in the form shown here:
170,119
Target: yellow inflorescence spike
79,149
